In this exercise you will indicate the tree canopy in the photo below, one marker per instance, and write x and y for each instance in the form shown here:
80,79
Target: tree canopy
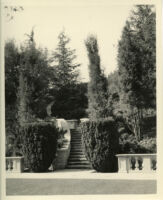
137,65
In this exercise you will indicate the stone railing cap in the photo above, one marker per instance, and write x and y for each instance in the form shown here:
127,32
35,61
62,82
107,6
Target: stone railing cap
71,120
15,157
136,154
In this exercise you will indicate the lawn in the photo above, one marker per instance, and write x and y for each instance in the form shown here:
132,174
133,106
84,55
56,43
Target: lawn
78,186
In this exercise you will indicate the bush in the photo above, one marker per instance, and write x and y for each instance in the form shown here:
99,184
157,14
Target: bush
39,145
148,144
100,141
129,144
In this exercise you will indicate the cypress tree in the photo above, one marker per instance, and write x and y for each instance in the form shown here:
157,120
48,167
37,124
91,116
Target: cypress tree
97,86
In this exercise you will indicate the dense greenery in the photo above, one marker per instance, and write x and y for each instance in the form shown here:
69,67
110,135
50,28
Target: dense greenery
71,102
12,60
69,96
97,86
31,84
137,67
129,144
39,145
33,81
34,66
63,61
100,139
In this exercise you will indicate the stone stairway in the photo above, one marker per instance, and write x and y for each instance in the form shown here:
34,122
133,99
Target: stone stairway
77,159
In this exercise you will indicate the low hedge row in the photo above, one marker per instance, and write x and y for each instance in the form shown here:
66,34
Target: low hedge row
100,141
39,141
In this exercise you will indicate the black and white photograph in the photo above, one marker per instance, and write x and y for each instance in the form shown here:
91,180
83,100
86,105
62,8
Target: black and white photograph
80,98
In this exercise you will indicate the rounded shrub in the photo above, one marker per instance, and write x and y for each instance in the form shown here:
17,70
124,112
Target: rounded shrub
39,145
100,141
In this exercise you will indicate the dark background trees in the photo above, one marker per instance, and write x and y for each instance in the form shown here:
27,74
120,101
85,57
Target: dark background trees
69,95
129,92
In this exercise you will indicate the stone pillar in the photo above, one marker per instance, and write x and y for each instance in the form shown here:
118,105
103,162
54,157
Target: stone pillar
146,164
123,164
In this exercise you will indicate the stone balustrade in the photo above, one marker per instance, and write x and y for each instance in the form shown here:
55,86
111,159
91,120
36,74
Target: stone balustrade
14,164
84,120
129,163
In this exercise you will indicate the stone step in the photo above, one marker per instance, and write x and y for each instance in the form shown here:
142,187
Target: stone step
75,131
78,167
76,137
78,163
77,155
76,149
76,142
76,145
76,152
76,159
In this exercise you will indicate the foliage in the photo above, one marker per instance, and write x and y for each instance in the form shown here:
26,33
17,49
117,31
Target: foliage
97,87
39,145
137,66
23,101
69,99
114,93
129,144
12,60
70,102
63,63
34,65
148,144
100,140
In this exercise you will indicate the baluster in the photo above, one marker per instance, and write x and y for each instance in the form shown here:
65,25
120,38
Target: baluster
132,163
14,164
153,164
7,165
140,161
10,167
136,164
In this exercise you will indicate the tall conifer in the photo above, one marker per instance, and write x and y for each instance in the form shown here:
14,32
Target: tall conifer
97,87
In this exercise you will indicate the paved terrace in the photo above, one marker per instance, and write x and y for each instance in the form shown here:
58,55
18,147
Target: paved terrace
78,182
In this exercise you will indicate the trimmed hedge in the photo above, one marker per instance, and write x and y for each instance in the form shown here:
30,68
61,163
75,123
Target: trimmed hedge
100,141
39,145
